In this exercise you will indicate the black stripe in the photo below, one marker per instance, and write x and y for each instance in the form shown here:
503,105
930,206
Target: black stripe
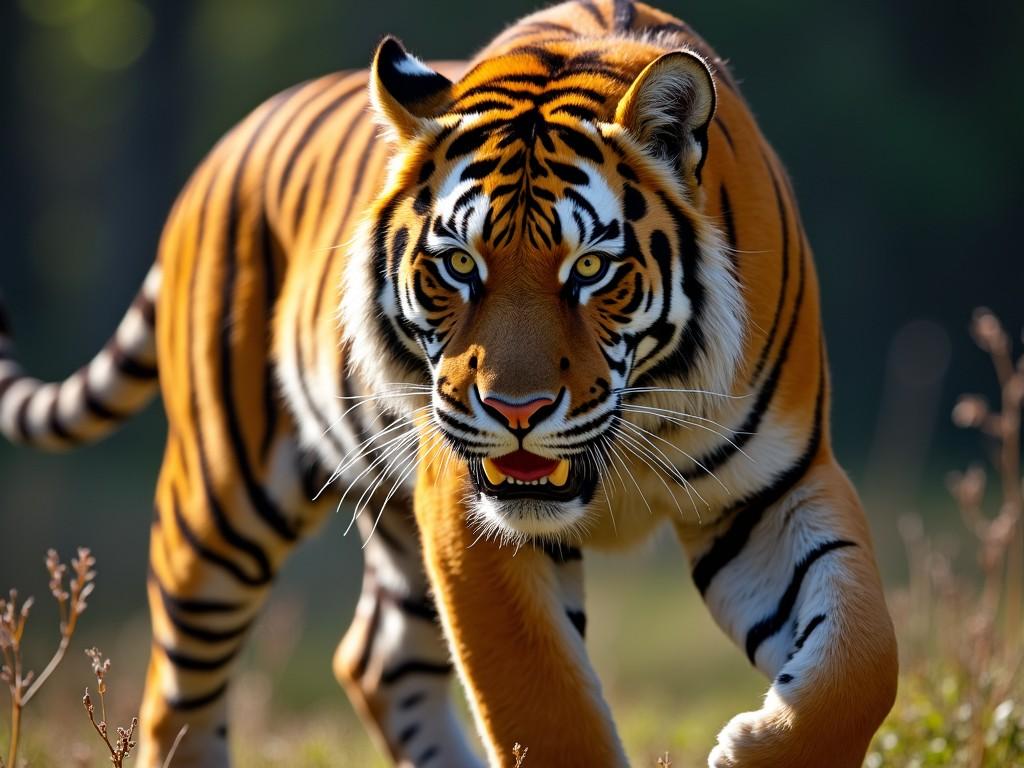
773,624
749,511
54,423
414,667
193,605
371,633
811,626
408,733
92,402
410,701
186,661
579,620
128,365
21,419
205,552
146,307
570,174
311,128
195,631
725,132
428,754
263,505
784,678
270,401
623,14
746,432
325,279
478,169
591,8
420,607
730,227
223,525
185,704
784,221
560,553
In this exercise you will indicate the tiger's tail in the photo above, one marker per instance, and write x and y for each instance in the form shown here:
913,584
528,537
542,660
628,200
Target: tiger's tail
90,403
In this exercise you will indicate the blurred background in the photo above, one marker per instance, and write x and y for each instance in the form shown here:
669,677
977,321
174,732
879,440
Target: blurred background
900,126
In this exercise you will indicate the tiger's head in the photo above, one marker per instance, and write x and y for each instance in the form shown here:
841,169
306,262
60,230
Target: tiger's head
538,256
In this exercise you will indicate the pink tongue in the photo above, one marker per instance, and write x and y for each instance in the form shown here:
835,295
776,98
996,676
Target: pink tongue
523,465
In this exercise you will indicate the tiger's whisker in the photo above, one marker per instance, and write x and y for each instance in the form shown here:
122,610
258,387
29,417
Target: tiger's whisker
639,390
646,432
635,449
683,423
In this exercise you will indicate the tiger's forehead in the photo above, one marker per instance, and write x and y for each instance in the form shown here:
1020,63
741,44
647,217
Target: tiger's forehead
512,180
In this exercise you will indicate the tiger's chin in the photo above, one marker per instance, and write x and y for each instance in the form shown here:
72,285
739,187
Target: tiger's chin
520,521
517,512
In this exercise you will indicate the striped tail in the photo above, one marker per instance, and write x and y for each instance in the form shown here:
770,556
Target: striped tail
94,400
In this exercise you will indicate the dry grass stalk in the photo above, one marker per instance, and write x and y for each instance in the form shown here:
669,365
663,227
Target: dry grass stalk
995,637
71,603
665,761
519,753
123,743
981,664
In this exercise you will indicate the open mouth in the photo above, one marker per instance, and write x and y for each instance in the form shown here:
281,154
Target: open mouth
522,474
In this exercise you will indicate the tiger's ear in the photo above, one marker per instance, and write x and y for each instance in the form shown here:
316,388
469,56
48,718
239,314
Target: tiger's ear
668,109
404,91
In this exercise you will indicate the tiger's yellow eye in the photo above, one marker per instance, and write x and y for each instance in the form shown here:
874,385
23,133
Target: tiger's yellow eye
588,266
461,263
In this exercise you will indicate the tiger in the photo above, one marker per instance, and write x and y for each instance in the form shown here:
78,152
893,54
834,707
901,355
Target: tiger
553,299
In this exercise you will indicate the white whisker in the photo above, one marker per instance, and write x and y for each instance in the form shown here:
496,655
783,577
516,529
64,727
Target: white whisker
645,432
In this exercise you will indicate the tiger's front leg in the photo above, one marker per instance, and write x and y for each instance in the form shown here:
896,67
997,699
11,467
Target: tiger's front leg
796,586
516,636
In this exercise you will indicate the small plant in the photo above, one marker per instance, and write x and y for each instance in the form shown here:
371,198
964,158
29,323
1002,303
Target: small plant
71,603
123,744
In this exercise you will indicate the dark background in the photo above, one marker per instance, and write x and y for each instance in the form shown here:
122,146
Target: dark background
900,124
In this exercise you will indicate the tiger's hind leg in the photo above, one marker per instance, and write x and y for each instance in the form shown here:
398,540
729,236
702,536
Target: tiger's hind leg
394,661
215,547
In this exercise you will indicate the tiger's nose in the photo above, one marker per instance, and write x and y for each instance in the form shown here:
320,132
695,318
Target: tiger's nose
517,415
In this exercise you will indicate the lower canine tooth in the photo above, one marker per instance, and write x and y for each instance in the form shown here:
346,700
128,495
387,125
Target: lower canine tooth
561,473
494,475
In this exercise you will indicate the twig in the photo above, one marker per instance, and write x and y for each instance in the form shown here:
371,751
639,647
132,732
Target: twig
71,603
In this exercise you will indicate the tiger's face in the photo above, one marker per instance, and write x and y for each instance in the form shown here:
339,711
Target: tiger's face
535,258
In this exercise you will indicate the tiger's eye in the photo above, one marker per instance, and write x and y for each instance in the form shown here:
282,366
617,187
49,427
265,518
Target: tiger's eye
461,263
589,266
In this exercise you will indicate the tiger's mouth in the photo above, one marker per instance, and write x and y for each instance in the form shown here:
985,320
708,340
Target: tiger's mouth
525,475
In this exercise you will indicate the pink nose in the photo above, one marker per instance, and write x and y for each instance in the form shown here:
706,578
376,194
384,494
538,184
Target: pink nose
518,415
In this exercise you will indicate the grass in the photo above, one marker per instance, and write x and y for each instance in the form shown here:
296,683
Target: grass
672,680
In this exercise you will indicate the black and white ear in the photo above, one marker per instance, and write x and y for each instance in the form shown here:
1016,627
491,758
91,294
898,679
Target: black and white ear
405,92
668,109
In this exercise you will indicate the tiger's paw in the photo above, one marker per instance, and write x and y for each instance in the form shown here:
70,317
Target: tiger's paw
750,740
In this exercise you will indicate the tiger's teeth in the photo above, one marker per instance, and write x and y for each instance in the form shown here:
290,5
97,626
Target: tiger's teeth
561,473
494,475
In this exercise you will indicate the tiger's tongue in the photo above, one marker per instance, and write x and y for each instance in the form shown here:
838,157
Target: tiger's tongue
523,465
